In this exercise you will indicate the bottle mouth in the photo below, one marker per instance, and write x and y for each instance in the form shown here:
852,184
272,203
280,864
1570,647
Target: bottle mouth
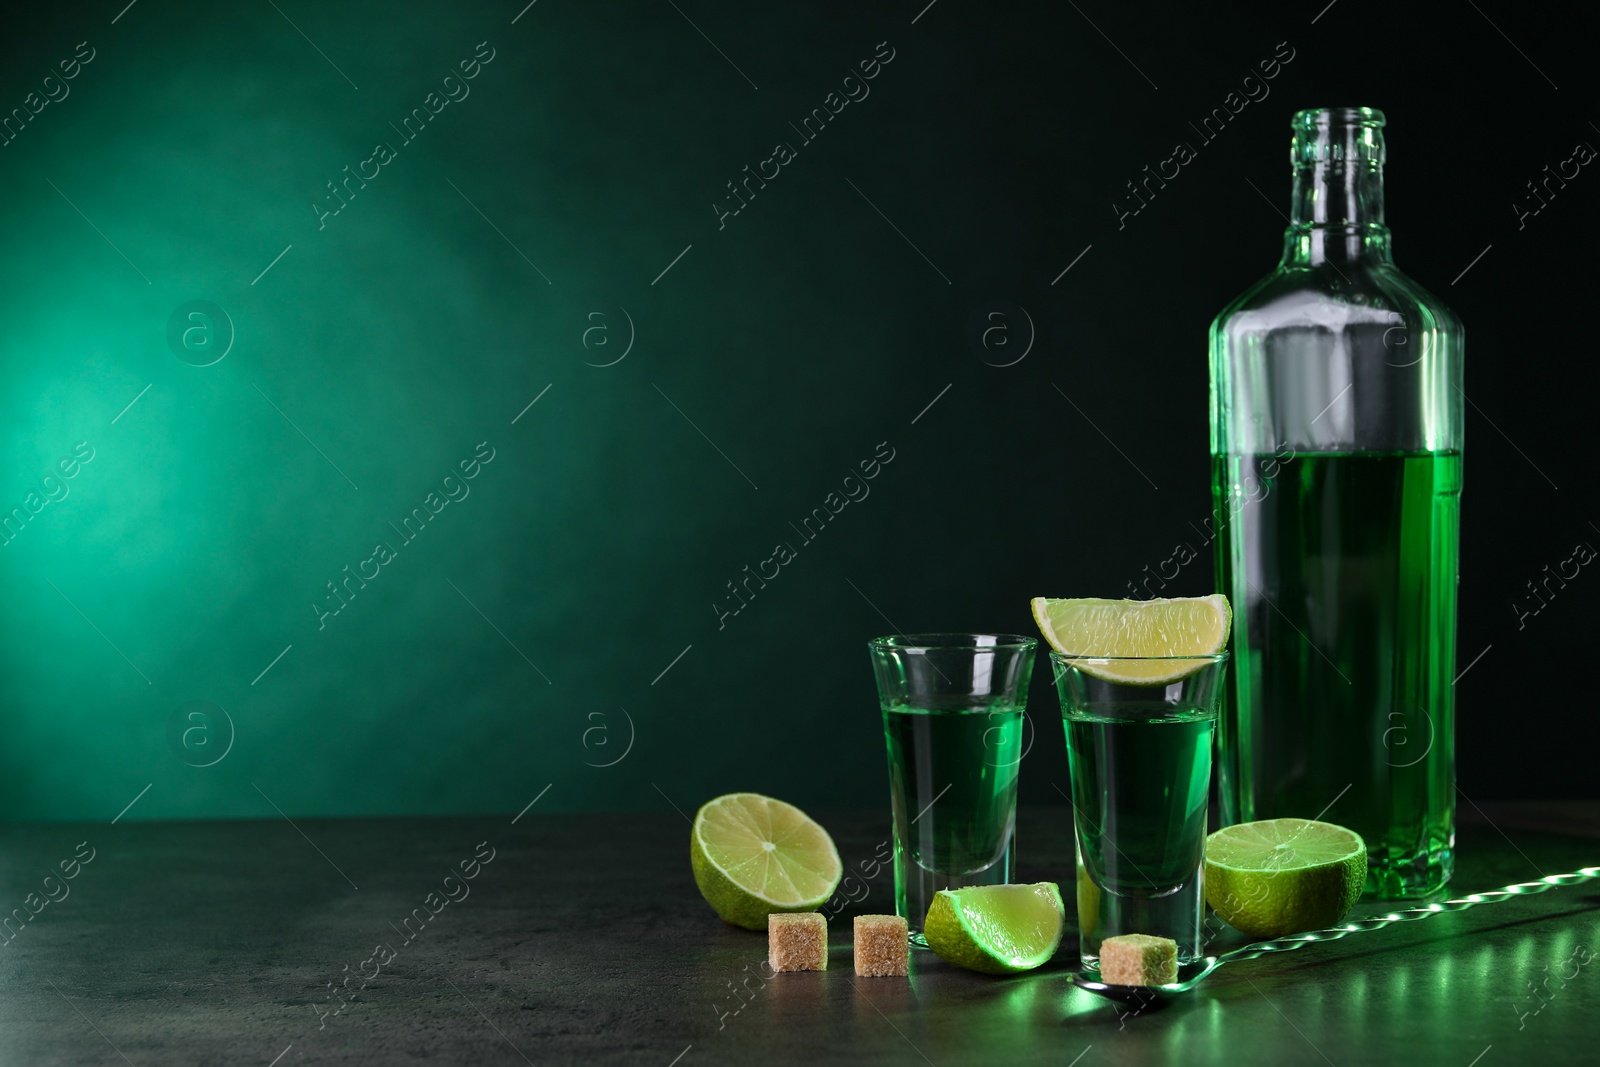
1317,117
1337,137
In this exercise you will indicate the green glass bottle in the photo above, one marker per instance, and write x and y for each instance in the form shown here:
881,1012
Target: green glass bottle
1336,434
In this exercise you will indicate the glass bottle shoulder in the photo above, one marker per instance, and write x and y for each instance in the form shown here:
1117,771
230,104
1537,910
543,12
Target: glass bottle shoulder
1337,357
1336,297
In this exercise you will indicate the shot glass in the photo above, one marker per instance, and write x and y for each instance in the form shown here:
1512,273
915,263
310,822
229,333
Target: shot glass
953,719
1140,736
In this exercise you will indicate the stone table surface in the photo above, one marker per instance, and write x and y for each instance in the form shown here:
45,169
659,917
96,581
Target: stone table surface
582,939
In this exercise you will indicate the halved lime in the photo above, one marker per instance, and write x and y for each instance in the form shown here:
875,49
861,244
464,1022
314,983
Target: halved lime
753,855
1284,876
996,929
1158,631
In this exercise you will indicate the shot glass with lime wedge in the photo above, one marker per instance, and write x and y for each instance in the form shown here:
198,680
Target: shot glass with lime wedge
1140,683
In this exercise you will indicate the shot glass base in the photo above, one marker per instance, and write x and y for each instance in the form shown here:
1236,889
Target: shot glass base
1176,915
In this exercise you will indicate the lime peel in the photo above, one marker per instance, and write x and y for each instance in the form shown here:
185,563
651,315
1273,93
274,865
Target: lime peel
1174,637
753,856
1284,876
997,929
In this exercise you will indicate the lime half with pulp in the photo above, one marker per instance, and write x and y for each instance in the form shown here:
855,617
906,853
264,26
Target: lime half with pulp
996,929
1284,876
753,855
1137,642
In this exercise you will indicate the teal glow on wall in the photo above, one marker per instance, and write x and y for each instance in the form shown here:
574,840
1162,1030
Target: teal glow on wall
271,275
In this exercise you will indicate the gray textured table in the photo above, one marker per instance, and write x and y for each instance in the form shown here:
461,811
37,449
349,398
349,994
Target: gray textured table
582,939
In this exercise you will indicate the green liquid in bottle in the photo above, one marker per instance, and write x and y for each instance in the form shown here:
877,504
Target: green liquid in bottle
1341,568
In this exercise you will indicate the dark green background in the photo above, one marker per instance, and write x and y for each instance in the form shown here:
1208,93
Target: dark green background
797,338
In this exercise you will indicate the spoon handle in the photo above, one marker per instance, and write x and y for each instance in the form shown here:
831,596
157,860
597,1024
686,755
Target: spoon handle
1361,926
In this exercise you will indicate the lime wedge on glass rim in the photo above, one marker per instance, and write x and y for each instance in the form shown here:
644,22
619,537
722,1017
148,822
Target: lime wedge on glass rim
753,855
996,929
1284,876
1113,634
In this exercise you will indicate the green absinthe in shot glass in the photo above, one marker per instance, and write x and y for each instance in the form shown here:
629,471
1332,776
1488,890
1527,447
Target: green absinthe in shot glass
1153,822
954,726
962,767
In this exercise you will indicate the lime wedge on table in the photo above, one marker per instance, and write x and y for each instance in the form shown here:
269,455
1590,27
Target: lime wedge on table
1284,876
996,929
753,855
1181,626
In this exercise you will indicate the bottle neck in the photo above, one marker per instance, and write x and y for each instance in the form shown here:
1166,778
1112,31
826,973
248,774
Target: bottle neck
1337,215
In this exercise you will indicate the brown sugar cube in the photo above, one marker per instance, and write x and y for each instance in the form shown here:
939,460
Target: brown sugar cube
797,941
1138,959
882,948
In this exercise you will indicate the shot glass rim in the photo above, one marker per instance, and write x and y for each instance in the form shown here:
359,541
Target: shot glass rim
953,641
1208,657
